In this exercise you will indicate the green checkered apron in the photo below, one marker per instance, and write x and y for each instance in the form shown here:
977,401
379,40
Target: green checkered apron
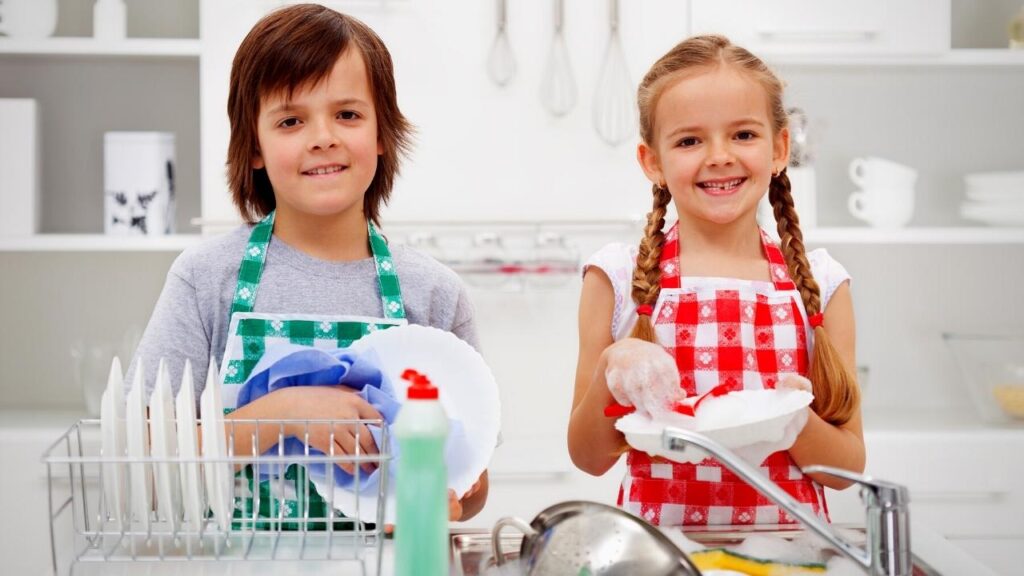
249,336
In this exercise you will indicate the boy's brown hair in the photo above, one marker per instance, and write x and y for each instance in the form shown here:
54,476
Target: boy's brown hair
292,48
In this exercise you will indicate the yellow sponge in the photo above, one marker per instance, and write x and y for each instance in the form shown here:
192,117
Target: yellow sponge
722,559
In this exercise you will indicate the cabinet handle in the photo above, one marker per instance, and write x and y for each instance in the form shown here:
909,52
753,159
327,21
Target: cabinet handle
810,36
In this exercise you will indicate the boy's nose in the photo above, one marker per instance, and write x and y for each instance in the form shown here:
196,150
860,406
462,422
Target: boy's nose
322,136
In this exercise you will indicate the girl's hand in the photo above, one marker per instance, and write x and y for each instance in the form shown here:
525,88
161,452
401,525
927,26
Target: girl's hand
794,382
329,403
455,503
643,375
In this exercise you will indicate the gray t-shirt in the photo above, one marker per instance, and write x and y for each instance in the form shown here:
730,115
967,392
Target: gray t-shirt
190,320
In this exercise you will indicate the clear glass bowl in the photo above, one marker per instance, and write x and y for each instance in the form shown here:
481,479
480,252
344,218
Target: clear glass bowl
992,367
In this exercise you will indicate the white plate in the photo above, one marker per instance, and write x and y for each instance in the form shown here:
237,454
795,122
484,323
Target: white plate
164,444
191,476
466,390
1007,180
140,473
993,214
218,477
1000,196
751,423
112,427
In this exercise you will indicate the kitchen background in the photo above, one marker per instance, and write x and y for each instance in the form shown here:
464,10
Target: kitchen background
491,159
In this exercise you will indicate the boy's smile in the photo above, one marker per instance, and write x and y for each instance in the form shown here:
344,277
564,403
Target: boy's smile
320,146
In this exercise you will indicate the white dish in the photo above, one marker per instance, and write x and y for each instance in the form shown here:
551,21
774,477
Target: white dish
993,214
140,473
1000,196
1004,180
188,451
112,427
467,391
164,445
218,477
752,423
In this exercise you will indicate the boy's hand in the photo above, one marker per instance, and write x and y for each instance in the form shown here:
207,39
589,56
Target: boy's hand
455,503
329,403
643,375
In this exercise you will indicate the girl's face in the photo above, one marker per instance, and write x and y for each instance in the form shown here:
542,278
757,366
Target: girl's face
320,148
713,145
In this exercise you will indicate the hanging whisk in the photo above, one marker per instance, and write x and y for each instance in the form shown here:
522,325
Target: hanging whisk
501,63
558,89
615,114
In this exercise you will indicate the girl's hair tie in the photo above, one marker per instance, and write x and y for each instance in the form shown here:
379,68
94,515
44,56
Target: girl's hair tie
816,320
644,310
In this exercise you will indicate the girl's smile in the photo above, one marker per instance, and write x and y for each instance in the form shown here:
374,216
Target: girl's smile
722,186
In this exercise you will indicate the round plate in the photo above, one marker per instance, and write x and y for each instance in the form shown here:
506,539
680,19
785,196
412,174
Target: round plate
466,389
752,423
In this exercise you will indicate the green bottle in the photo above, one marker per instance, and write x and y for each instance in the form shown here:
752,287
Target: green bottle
421,519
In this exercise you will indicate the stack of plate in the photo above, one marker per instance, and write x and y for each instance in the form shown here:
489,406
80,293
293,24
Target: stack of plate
995,198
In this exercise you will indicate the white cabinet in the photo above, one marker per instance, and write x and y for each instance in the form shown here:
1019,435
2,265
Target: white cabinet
828,26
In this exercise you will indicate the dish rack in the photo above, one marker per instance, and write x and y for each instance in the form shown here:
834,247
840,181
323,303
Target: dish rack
84,528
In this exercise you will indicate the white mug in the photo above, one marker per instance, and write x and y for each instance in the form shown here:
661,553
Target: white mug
138,183
28,18
869,173
883,207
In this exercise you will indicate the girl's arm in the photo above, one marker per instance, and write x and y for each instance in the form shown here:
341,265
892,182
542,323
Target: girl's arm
821,442
594,443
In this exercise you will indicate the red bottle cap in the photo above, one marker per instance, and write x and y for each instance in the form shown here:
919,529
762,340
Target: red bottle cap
420,387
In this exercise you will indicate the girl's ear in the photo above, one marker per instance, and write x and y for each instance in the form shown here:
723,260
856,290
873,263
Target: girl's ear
648,160
257,162
780,150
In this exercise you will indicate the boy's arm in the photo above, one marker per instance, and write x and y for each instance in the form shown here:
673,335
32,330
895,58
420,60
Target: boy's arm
594,443
820,442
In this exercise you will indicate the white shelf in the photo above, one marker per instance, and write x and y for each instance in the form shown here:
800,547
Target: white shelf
952,236
953,58
91,47
98,243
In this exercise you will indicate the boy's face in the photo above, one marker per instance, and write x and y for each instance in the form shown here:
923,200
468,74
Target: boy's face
320,148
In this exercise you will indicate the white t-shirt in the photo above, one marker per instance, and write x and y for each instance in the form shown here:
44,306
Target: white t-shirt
617,261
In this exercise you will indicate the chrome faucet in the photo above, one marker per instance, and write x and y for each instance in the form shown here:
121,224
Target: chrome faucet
888,514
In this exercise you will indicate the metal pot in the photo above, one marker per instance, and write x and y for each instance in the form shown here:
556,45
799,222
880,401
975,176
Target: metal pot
589,538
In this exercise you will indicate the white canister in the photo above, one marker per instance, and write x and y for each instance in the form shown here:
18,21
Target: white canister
109,20
19,167
28,18
138,183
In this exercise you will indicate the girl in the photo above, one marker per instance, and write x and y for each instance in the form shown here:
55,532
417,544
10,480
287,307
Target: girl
316,139
726,304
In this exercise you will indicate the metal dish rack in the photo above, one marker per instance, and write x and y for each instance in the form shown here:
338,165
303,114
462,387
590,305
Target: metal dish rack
83,530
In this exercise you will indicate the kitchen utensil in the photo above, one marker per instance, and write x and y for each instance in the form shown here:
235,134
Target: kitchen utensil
581,537
558,89
751,423
467,391
188,449
216,470
615,113
19,167
164,445
112,427
992,367
501,62
28,18
140,474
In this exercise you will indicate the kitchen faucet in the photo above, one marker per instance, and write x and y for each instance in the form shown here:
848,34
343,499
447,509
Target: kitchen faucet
888,514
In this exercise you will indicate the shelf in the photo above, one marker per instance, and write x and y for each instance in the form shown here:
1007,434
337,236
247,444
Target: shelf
91,47
98,243
953,236
953,58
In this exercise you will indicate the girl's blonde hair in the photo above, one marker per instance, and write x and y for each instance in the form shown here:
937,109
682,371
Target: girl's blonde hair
836,395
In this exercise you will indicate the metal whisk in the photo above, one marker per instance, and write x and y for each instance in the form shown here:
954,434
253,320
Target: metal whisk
558,89
615,114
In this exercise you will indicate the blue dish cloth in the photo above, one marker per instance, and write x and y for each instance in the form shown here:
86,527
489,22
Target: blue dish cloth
286,365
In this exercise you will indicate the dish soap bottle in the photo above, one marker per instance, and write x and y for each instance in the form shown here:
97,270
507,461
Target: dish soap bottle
421,519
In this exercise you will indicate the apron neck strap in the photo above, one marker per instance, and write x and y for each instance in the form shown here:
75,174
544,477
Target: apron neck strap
669,262
255,257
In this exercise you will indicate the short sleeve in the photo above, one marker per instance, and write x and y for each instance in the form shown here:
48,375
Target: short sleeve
828,273
617,261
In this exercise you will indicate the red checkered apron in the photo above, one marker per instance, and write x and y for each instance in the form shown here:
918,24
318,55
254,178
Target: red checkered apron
723,332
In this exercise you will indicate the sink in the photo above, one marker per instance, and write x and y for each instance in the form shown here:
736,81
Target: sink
471,548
